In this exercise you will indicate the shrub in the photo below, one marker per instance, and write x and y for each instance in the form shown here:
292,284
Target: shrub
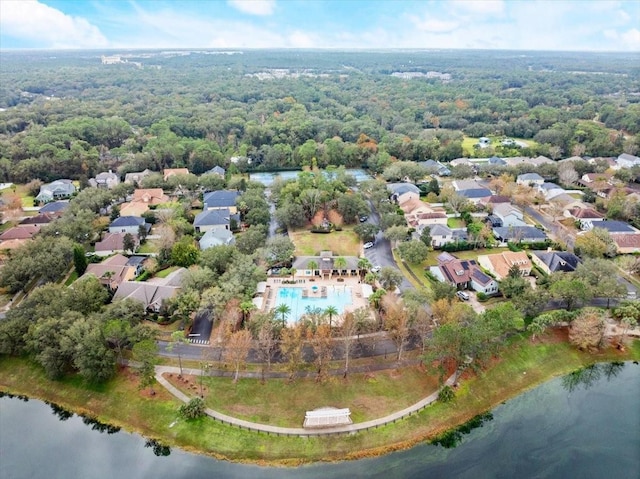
446,394
482,297
193,409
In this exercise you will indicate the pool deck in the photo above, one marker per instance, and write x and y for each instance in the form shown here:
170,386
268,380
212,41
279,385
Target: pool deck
353,282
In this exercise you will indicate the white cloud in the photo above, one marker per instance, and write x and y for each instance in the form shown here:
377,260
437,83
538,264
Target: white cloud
254,7
629,40
482,7
433,25
40,24
299,39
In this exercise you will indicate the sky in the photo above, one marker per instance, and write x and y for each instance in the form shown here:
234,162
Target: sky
591,25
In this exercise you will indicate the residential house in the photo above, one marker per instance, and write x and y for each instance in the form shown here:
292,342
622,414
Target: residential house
169,172
585,215
420,218
106,179
136,177
483,142
56,190
475,195
216,170
398,189
24,232
41,219
215,220
128,224
325,266
496,161
142,199
112,271
459,185
55,207
519,234
463,274
409,201
114,243
615,227
509,215
221,199
625,160
549,190
499,264
137,262
216,237
555,261
440,235
151,295
494,200
591,179
435,167
626,243
530,179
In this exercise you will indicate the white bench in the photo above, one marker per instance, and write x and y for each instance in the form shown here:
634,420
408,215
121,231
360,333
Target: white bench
327,417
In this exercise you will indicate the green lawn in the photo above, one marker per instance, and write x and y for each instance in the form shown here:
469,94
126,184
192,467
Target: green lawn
119,402
149,246
72,277
455,223
166,272
341,243
471,254
468,142
367,396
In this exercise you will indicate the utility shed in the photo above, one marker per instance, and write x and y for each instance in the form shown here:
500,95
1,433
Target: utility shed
327,417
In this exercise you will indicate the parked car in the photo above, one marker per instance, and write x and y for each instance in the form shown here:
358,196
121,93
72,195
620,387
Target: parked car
462,295
376,269
368,245
363,218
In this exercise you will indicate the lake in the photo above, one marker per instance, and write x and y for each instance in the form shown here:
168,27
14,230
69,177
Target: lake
267,178
585,425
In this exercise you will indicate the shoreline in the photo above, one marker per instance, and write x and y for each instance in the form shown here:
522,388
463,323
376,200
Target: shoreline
425,425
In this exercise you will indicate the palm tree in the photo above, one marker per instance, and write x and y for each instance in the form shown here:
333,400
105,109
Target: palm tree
363,266
246,307
284,310
340,264
330,311
313,266
293,272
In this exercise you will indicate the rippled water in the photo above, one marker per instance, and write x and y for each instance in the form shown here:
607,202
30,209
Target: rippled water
583,426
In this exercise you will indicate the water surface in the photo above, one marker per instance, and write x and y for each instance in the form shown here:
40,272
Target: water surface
586,426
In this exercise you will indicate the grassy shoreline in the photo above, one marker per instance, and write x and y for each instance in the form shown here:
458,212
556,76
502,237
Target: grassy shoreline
524,366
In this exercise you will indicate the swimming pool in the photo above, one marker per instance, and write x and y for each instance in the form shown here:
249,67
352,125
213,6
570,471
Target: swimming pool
337,295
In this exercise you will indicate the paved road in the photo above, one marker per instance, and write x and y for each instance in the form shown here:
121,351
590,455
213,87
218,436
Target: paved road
381,253
552,227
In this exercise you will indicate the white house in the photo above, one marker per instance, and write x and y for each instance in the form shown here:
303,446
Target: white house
626,160
509,215
530,179
440,235
216,238
128,224
549,190
106,179
56,190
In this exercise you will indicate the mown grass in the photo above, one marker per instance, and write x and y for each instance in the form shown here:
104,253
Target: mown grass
523,366
455,223
166,272
341,243
368,396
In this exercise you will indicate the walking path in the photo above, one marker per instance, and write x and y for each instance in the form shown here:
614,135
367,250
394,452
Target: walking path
295,431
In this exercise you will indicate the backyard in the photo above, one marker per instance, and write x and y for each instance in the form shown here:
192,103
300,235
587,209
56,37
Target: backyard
341,243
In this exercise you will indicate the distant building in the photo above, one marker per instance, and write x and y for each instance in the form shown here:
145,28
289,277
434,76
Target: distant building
169,172
128,224
555,261
626,160
216,170
530,179
136,177
221,199
107,180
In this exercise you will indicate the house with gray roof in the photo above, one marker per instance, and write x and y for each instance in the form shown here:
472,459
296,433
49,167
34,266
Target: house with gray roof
549,190
216,237
508,215
555,261
136,177
614,227
475,195
399,189
56,190
216,170
519,234
324,265
106,179
216,220
435,167
221,199
128,224
151,295
56,207
529,179
625,160
496,161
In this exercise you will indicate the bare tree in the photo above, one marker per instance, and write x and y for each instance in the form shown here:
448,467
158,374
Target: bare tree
266,341
291,347
322,345
237,350
396,322
567,174
349,328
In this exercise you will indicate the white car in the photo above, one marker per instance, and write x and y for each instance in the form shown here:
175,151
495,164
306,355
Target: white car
376,269
462,295
368,245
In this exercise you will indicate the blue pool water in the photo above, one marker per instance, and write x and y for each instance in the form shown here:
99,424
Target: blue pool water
338,296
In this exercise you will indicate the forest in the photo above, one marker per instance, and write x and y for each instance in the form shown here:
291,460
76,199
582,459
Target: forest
66,114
